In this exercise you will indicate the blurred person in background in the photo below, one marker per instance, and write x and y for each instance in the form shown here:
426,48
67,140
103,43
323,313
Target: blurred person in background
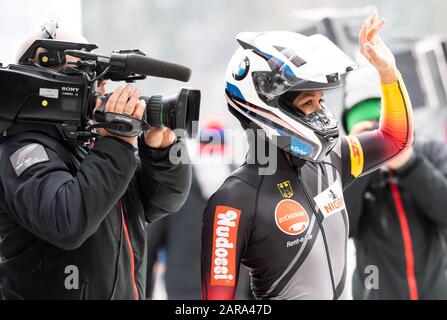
397,215
179,236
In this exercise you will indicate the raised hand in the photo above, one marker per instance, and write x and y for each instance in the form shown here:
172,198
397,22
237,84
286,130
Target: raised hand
375,50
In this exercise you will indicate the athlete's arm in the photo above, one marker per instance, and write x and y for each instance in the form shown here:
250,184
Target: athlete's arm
369,151
226,230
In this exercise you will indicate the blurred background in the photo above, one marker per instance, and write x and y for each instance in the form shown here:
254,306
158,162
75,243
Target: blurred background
200,34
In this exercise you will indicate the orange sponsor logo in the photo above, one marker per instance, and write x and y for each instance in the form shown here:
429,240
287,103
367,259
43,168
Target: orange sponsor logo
223,263
291,218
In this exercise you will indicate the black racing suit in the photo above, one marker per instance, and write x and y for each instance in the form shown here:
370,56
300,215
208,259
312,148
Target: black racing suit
72,220
291,228
398,221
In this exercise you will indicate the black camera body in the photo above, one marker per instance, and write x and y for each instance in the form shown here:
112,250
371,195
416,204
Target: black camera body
61,102
34,96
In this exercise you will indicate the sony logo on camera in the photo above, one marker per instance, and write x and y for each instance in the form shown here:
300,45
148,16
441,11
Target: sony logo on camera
70,91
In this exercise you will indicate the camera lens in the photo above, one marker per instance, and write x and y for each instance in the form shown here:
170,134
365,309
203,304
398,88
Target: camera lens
175,112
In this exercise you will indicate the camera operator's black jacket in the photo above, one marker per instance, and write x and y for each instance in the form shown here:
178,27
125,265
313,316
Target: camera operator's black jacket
69,233
405,242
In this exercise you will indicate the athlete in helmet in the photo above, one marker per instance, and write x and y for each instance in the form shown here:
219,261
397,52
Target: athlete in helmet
291,228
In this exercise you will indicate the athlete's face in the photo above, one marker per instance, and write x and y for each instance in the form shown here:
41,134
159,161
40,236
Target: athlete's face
309,101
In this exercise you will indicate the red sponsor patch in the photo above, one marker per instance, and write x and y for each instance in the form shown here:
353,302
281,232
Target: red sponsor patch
223,263
291,218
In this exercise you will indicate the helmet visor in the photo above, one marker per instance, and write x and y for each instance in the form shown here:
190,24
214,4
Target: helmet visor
301,63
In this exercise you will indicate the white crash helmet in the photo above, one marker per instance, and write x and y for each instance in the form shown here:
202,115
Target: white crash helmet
266,74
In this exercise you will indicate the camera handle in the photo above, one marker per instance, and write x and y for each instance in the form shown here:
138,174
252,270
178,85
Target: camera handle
116,123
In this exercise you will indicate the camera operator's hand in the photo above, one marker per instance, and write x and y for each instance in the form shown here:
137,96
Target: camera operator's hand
159,138
124,100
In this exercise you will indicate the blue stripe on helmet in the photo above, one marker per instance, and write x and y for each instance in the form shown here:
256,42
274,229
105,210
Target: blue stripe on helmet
234,91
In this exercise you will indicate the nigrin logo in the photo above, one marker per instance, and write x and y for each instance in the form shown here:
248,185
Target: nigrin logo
336,204
331,200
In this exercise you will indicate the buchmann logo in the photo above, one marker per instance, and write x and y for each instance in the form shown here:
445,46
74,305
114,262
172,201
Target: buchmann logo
291,218
223,264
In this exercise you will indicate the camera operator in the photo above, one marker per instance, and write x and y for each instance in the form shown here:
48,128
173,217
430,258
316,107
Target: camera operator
72,218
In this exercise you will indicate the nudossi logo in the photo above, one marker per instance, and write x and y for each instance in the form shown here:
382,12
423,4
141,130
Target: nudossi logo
223,264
